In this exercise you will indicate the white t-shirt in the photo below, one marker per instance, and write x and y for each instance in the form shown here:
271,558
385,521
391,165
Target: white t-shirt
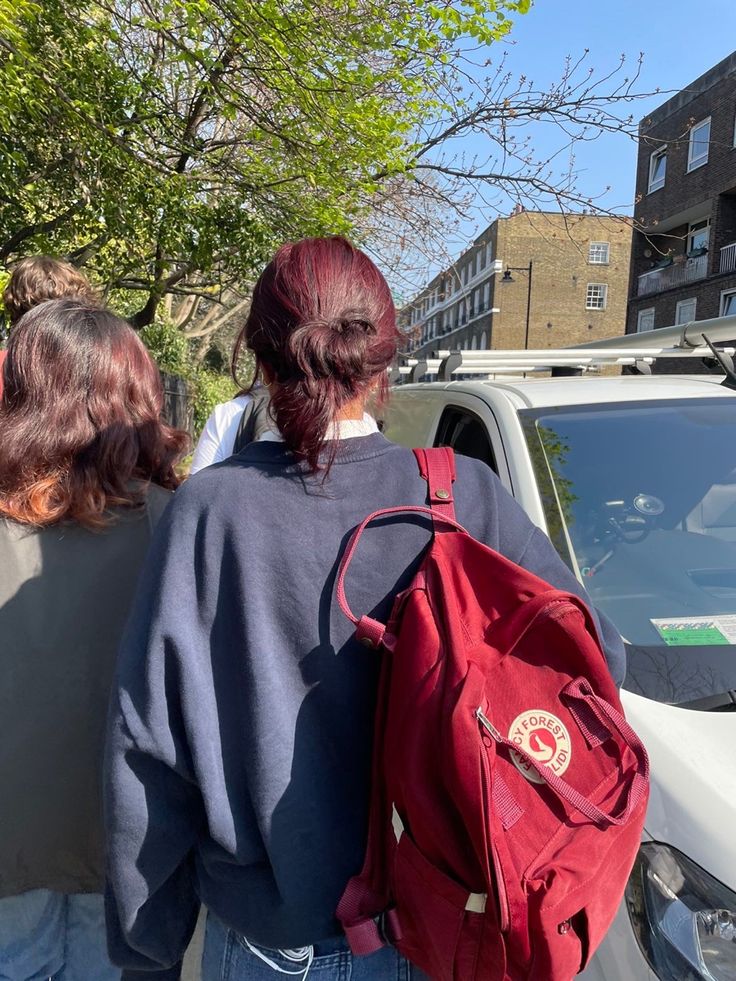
218,436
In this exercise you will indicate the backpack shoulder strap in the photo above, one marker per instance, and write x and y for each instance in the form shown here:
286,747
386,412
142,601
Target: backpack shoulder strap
244,434
437,467
254,420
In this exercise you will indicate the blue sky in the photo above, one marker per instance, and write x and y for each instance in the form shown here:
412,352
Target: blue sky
680,40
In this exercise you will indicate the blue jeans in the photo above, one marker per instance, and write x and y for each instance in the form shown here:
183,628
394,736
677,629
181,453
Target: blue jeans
47,934
227,957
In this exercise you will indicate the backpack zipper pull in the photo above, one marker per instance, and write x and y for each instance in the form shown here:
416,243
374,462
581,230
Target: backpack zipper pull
487,724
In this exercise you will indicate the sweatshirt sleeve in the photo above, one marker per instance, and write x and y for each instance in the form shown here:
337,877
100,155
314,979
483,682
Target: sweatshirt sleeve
153,807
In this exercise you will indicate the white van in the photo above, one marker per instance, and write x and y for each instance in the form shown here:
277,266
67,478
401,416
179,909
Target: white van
634,480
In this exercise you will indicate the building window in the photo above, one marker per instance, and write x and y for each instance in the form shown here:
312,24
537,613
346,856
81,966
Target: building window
697,153
484,341
685,311
728,303
595,296
598,253
657,169
698,235
645,320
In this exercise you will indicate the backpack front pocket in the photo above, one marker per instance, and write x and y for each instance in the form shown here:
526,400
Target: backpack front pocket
456,948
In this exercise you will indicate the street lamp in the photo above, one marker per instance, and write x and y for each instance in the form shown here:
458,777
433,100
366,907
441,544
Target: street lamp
508,278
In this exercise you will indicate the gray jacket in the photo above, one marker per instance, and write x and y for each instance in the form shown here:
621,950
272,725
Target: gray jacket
64,598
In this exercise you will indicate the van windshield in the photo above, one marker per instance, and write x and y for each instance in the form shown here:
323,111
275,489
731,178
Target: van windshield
640,499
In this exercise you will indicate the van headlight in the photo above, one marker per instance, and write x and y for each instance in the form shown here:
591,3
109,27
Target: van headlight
684,919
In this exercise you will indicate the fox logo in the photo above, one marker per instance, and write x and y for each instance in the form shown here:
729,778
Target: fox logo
544,737
542,745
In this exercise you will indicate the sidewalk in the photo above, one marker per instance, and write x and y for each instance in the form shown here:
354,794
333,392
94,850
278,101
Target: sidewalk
194,954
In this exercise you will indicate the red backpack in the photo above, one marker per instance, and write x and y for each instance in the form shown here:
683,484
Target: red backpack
509,792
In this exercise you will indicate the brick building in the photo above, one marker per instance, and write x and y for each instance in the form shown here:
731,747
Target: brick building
683,259
579,277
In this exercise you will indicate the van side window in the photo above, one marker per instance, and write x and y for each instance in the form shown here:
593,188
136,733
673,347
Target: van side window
466,434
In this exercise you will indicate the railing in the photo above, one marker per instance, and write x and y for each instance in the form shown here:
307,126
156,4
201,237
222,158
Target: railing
463,290
677,274
178,408
728,258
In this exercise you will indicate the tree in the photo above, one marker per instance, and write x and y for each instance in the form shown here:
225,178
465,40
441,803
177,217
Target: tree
487,106
169,146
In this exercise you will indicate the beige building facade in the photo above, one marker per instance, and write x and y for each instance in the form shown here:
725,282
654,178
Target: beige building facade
531,280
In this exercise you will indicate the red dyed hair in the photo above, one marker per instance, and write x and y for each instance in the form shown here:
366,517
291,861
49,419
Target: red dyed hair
80,426
323,324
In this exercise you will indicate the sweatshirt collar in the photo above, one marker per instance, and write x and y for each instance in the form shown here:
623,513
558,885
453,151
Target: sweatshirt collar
342,429
350,450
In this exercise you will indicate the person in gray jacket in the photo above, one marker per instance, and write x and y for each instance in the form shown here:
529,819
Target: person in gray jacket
86,469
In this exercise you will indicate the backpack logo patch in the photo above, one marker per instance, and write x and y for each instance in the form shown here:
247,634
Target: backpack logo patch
543,736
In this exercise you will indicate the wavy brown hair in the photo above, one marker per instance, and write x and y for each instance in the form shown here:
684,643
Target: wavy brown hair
80,418
40,278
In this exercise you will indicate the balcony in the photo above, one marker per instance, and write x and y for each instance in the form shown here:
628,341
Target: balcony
678,274
728,259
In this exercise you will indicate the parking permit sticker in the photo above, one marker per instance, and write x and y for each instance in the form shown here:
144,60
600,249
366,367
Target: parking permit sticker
697,631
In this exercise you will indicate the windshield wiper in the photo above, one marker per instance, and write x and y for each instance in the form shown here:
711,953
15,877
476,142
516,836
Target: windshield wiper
724,702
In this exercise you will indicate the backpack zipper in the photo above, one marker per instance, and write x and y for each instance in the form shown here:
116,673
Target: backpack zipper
503,898
487,724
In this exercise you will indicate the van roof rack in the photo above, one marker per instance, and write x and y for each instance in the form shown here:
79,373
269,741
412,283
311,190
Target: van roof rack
638,352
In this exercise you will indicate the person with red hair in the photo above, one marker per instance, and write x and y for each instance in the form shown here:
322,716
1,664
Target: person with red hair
86,469
241,722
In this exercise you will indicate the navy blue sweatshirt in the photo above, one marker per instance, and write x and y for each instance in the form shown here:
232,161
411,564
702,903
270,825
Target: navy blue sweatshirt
240,731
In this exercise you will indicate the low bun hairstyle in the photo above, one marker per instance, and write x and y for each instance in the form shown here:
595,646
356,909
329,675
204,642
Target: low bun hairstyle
323,324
